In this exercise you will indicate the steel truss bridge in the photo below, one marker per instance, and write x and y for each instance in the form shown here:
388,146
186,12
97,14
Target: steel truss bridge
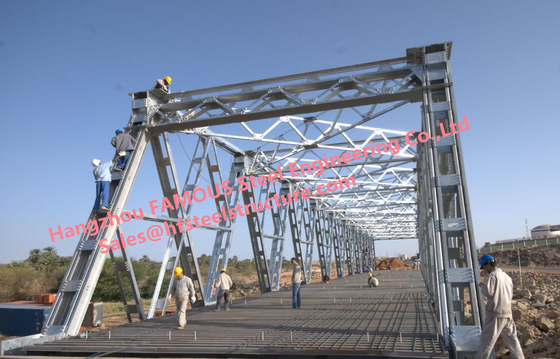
418,193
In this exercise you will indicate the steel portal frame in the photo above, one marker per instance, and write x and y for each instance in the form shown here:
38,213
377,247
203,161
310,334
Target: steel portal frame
309,119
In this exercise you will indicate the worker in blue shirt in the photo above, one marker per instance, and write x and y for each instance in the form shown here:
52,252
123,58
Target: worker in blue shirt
123,143
102,175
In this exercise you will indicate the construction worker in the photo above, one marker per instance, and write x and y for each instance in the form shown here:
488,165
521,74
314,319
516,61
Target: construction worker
102,175
123,142
223,285
498,290
372,281
297,277
163,84
182,289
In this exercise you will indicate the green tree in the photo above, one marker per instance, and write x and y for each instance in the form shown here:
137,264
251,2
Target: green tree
107,288
50,251
48,260
19,264
20,282
34,256
147,289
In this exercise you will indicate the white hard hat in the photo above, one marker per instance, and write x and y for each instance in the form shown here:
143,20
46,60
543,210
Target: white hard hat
95,162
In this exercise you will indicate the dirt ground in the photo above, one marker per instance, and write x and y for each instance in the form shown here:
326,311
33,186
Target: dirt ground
539,256
536,311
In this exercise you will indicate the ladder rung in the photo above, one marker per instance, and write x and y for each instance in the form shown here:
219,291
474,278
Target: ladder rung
453,224
447,180
439,106
89,245
466,338
460,275
120,266
71,285
131,309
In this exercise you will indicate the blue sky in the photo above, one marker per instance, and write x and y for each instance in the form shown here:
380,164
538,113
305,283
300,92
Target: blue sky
67,69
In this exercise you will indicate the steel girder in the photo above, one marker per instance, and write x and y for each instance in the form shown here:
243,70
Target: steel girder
399,192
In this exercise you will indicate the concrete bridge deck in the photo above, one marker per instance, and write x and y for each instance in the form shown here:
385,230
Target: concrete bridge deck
344,319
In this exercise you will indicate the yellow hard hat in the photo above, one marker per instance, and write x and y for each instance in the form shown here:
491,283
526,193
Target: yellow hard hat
223,270
178,271
168,79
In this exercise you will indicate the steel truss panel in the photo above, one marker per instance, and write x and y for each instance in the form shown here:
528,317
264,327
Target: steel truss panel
256,235
125,266
222,243
306,219
338,243
170,187
396,192
447,239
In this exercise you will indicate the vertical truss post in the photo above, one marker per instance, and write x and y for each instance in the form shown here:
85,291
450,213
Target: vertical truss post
318,227
279,218
256,236
365,251
349,242
306,227
296,229
358,249
452,223
125,266
165,266
117,269
170,186
363,254
334,224
374,256
431,260
369,250
328,241
222,243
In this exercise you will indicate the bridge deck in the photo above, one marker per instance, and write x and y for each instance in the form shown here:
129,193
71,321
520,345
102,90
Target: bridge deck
344,318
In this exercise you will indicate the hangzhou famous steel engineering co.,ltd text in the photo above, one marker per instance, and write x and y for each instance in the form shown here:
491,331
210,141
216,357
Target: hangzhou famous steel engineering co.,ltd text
155,232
